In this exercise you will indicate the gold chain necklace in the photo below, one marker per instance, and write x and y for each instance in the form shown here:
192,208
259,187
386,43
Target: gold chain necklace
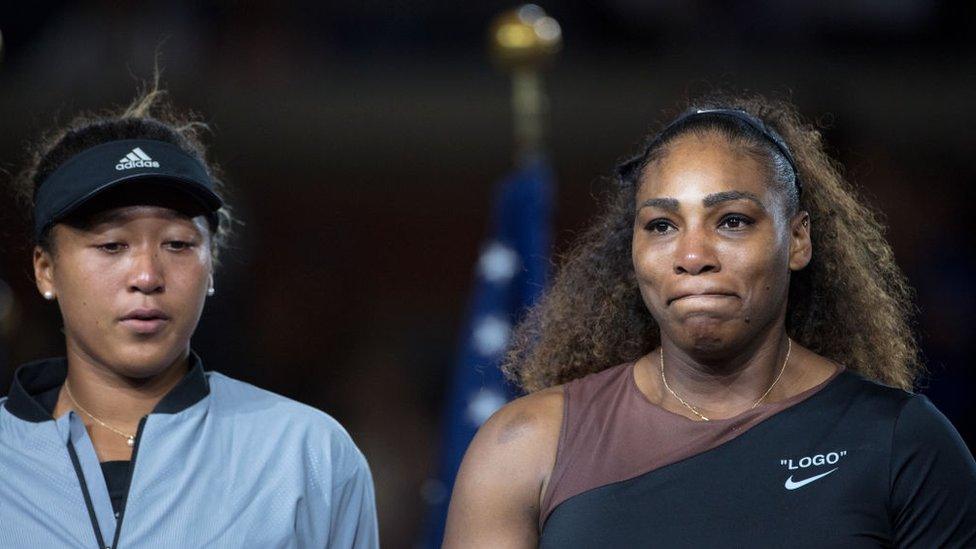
789,347
129,439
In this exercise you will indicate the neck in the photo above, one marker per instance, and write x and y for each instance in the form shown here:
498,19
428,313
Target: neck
723,386
114,398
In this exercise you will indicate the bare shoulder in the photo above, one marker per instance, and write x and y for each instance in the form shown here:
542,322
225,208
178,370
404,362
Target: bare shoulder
524,434
527,421
496,495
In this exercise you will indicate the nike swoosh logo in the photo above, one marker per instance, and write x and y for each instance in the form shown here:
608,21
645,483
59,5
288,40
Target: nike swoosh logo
790,485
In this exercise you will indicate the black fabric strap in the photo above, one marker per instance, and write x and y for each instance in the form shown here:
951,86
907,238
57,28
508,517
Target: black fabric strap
626,171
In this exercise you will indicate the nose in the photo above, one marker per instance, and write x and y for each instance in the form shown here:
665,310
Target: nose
695,254
147,273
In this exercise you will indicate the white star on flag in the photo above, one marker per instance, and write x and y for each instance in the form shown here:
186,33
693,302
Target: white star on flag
491,335
484,403
498,263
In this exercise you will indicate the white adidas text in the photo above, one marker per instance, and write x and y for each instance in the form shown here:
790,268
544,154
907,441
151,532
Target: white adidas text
129,164
136,159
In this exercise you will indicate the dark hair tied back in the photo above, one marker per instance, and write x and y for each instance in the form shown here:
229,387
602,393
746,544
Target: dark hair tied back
149,116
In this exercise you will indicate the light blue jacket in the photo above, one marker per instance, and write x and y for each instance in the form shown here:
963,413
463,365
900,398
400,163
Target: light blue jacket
218,463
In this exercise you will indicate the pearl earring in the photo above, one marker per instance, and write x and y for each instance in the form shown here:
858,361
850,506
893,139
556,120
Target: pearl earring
211,291
49,295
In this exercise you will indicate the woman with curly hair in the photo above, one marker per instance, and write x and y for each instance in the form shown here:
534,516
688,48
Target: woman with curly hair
724,359
127,441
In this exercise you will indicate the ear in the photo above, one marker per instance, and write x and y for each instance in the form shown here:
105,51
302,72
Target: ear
801,248
44,271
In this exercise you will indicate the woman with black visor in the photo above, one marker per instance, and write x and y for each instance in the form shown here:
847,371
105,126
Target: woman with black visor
127,441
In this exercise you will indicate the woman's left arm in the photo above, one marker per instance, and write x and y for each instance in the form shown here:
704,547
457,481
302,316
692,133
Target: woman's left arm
353,505
932,480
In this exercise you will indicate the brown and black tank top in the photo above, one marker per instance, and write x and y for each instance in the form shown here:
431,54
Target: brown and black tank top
840,464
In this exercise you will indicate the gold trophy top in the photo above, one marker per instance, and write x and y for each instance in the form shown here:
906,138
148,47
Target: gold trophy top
524,38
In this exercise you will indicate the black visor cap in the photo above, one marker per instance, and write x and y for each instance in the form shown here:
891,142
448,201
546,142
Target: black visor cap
125,165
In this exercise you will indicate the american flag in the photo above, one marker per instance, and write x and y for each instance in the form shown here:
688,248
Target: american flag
510,275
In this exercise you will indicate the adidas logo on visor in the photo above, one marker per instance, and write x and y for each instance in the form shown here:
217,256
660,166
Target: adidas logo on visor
136,159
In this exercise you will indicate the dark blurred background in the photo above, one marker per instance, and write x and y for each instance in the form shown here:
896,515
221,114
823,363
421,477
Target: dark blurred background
362,140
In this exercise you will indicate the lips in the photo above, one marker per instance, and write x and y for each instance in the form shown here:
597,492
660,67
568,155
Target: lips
145,321
702,294
145,314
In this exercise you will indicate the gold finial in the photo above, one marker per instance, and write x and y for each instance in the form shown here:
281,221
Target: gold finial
524,38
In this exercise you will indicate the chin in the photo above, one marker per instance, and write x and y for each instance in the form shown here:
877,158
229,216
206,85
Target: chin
707,335
144,361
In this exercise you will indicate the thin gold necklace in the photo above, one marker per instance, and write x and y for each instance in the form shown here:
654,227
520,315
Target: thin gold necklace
129,439
789,347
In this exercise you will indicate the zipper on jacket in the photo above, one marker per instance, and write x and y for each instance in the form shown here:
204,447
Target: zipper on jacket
128,485
84,491
125,500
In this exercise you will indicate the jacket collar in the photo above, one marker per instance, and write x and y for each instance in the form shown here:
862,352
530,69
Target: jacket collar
33,393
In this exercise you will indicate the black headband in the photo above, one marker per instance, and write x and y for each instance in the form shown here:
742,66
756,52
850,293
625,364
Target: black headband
624,172
108,165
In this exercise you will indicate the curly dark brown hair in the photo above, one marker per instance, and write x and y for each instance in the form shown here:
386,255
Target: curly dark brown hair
149,116
851,304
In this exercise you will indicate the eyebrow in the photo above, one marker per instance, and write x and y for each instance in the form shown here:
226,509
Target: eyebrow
666,204
710,201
